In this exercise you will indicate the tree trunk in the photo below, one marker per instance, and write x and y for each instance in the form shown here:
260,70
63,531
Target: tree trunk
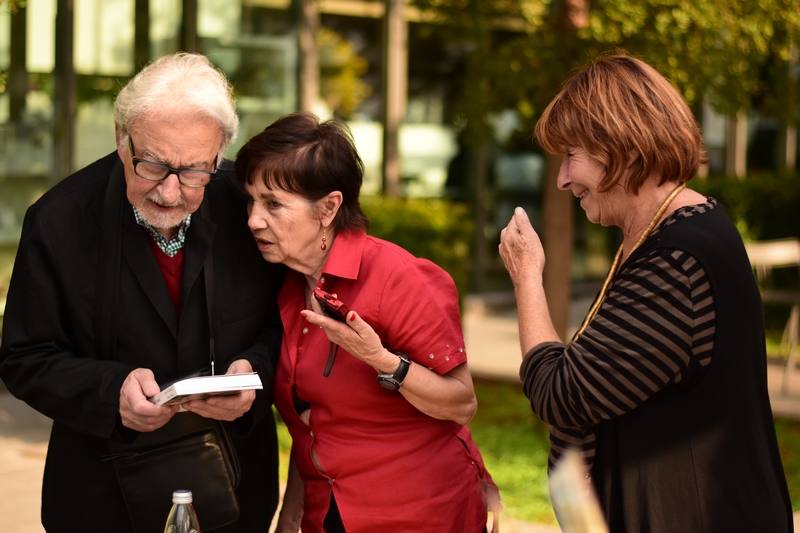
17,84
141,34
307,24
190,41
557,241
395,78
64,87
736,146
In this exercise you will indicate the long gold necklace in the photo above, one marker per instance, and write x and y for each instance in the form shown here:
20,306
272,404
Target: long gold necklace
648,230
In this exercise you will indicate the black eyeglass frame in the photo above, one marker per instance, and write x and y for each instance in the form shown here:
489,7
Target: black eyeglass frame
169,170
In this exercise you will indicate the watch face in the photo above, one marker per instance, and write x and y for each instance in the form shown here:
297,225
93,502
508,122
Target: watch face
388,383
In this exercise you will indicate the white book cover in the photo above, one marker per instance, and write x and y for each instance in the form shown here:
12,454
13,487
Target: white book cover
200,387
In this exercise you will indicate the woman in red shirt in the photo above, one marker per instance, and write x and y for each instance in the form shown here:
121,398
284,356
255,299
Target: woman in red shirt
376,402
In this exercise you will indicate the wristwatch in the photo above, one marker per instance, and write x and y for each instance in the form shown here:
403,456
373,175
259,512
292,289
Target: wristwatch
393,381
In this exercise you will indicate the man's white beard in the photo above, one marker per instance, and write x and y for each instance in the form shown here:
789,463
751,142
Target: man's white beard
162,220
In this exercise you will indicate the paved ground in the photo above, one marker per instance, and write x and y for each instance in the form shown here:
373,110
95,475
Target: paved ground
493,347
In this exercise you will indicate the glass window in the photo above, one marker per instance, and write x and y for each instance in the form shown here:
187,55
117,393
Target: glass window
165,23
26,60
251,41
254,45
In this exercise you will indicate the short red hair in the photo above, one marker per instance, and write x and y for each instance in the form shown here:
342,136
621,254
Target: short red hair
618,105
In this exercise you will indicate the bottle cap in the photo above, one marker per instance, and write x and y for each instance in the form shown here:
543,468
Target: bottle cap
182,496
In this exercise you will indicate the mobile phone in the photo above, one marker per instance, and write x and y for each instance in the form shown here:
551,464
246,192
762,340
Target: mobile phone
331,306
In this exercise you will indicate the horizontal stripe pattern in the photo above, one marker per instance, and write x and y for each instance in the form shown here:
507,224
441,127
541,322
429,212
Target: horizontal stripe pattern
654,330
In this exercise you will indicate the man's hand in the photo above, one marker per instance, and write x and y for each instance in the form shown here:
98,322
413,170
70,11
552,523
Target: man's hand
136,411
229,407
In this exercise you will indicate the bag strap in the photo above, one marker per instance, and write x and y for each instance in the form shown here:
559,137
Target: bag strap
208,276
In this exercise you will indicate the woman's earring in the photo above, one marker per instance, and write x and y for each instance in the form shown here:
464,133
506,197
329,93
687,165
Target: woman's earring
324,246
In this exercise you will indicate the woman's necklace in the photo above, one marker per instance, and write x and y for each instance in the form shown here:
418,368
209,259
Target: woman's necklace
648,230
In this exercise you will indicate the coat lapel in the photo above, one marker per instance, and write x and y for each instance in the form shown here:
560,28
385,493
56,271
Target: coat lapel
198,245
137,252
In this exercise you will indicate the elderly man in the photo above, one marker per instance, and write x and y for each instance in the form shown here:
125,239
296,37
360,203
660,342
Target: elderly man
174,204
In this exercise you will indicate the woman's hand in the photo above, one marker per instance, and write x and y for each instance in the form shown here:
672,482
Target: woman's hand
447,397
521,249
356,337
523,257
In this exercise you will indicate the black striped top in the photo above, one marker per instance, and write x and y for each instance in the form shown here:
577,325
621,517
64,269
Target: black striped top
654,332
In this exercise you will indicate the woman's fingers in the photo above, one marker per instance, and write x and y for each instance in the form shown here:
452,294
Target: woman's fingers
355,335
521,220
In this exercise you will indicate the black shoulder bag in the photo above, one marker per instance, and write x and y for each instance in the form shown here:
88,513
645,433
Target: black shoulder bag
189,452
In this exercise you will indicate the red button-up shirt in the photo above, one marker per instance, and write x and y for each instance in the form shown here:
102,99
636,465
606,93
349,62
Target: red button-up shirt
391,467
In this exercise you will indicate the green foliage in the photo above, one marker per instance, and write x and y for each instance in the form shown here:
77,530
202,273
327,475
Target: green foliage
284,446
92,87
788,432
514,444
730,51
341,71
13,5
734,54
436,229
763,206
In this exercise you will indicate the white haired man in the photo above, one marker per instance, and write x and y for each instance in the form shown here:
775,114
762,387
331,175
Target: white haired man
173,122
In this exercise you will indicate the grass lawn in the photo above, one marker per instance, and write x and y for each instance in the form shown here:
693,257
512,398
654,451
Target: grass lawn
514,445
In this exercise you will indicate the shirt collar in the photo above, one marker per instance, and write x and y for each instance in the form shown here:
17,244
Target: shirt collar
168,246
344,259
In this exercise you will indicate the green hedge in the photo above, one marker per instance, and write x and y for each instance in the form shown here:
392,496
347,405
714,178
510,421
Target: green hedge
763,206
436,229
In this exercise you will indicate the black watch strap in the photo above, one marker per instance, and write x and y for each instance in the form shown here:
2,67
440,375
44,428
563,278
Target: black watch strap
394,381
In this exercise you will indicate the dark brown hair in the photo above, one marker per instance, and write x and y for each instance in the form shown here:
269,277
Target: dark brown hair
618,105
300,154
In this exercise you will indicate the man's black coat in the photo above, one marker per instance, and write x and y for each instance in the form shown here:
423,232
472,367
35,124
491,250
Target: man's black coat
48,356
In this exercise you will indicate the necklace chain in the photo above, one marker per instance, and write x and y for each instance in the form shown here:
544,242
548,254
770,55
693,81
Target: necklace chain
617,258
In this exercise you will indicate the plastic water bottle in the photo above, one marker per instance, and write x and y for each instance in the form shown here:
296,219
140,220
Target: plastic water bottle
182,518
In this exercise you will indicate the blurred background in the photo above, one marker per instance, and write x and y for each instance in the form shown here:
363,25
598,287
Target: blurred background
442,97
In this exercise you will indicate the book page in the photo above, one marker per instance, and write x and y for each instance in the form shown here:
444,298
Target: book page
201,387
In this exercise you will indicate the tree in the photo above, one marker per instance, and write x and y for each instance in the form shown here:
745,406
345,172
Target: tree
13,6
734,55
341,72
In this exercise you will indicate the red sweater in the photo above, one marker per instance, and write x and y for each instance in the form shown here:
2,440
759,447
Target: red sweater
172,270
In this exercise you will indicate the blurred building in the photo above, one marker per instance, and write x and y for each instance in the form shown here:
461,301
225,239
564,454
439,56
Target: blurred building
63,61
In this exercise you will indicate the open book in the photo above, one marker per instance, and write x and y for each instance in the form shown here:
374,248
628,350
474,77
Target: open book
200,387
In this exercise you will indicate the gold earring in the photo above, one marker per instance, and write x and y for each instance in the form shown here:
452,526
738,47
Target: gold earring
324,246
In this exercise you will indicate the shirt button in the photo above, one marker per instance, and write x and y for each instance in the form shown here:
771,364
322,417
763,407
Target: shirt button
305,330
311,433
322,279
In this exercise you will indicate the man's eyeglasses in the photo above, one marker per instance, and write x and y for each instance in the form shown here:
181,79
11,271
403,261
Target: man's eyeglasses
188,177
